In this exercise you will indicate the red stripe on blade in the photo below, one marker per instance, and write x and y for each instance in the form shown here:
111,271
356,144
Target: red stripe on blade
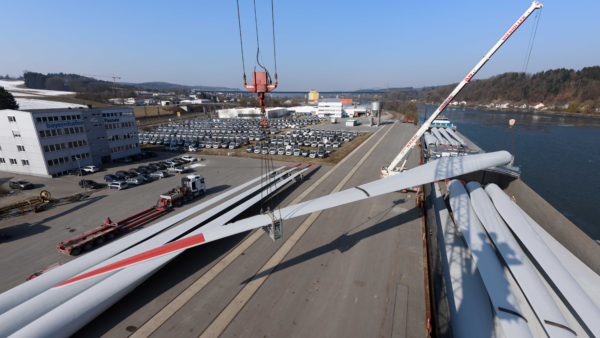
161,250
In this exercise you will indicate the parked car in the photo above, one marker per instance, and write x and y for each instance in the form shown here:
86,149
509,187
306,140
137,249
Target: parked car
122,160
145,169
192,148
281,151
136,171
124,174
304,152
89,184
313,154
336,145
250,149
146,177
135,181
151,154
119,185
159,174
111,178
77,172
157,166
90,168
20,184
135,157
296,152
189,158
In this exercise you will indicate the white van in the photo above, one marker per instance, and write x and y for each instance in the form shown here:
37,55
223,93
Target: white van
119,185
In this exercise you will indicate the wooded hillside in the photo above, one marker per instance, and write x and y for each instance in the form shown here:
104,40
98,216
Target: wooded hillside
558,85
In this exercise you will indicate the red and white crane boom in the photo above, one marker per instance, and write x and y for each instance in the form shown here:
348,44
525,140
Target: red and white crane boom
391,169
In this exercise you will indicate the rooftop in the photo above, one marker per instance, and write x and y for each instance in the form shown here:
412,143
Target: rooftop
56,110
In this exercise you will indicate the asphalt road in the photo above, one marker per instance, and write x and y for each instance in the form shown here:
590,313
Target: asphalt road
357,271
28,242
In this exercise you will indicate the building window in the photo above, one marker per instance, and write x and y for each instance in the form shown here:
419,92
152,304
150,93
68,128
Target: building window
20,148
2,160
44,119
13,161
38,119
12,119
16,133
25,162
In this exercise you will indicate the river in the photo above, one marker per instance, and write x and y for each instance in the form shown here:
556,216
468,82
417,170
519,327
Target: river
557,155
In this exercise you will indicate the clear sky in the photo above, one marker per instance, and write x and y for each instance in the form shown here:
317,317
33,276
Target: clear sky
325,45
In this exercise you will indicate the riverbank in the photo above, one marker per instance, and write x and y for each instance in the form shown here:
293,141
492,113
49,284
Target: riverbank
524,111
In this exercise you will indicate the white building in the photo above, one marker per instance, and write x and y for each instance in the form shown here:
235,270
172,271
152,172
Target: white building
502,105
149,101
169,103
48,142
536,105
135,101
195,101
250,113
303,110
330,108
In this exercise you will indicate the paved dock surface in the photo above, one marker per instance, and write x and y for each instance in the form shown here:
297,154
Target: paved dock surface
355,270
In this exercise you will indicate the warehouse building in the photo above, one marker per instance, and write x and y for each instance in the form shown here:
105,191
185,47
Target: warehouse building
251,113
48,142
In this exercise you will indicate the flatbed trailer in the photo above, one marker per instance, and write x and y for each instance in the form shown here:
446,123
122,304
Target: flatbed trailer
99,235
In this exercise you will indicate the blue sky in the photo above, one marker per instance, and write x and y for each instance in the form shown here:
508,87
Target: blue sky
325,45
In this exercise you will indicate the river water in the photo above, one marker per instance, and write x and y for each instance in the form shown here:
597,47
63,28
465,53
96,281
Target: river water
559,156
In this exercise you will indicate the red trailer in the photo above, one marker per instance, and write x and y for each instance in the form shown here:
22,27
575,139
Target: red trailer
99,235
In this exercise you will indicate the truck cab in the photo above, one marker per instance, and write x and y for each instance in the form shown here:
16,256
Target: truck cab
191,187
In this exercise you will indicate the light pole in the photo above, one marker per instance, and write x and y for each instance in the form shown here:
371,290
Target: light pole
81,174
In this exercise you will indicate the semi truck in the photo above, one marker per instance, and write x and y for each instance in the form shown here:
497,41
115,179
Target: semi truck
192,186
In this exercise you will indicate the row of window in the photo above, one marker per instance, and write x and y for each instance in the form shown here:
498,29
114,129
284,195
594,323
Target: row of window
58,161
111,125
13,161
123,148
121,137
63,146
54,147
63,160
117,114
59,132
55,118
127,124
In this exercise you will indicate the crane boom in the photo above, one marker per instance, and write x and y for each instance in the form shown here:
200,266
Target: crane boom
387,171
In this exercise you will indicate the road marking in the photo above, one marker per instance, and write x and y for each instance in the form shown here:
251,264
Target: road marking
235,306
169,310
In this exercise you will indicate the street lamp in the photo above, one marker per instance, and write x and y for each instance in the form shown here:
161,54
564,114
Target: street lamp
81,174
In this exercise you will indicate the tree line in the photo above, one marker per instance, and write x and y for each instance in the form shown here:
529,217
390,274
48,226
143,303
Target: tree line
581,88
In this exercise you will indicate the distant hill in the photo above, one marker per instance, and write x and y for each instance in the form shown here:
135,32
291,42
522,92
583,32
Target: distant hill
555,85
164,85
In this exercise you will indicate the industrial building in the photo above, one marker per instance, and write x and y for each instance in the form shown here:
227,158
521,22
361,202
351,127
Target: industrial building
49,142
251,113
313,96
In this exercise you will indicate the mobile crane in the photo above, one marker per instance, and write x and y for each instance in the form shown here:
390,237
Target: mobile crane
391,169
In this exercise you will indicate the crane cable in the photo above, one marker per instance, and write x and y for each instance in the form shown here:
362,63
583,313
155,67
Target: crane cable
274,52
531,41
241,43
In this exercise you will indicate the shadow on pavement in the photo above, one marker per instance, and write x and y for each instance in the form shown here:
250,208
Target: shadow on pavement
345,241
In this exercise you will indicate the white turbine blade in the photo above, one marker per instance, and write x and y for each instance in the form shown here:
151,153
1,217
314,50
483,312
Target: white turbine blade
523,271
113,282
29,310
560,276
488,264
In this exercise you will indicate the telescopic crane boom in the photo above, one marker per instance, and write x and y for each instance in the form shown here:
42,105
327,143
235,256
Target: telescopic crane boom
391,169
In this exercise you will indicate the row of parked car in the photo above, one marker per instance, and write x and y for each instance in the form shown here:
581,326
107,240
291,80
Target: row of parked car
122,179
189,133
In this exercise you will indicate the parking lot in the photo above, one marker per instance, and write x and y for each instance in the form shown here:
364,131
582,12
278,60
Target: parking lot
68,185
29,240
286,139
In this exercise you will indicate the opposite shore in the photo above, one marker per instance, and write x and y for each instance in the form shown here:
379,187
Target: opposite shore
522,111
